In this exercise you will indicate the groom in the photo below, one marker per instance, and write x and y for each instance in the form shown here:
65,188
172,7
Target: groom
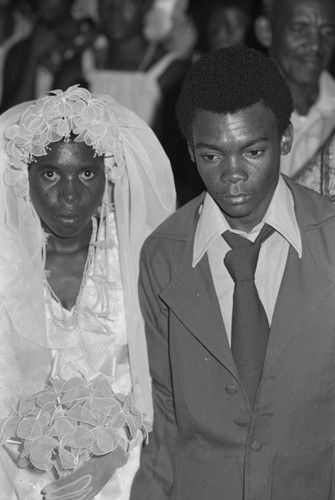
243,368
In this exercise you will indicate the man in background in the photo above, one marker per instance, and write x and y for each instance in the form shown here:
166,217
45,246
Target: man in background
300,37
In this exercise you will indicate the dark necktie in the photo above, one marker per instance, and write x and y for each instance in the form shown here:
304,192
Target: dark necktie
250,327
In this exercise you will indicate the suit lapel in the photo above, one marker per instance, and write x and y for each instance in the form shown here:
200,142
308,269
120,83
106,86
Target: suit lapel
306,283
192,298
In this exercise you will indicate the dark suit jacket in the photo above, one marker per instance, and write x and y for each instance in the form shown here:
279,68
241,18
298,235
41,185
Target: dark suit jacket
207,443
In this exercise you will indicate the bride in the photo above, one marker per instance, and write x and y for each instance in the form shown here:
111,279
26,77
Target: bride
83,182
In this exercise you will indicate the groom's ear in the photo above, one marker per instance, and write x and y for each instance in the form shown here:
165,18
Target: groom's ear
287,140
191,150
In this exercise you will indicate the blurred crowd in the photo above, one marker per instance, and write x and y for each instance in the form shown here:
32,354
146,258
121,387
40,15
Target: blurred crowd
136,50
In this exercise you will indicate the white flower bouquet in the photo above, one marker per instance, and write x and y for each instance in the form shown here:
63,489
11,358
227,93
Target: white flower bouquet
63,425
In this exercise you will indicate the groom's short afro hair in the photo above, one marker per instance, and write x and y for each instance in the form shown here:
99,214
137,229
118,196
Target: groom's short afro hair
229,80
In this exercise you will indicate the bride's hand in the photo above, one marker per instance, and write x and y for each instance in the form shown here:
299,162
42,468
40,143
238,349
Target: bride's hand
88,480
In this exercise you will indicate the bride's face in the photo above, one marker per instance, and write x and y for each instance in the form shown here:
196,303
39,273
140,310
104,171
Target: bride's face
66,188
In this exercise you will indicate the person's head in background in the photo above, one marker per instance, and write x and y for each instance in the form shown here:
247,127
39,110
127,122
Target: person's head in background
123,19
53,12
300,36
15,18
227,23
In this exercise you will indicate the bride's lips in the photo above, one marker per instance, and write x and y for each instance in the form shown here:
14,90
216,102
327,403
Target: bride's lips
68,217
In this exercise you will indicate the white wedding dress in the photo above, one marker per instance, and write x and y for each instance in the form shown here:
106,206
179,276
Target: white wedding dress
93,344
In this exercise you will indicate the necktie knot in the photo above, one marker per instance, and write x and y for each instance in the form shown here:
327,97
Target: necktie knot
241,260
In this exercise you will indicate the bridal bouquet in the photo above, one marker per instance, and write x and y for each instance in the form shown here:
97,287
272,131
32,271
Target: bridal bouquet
60,427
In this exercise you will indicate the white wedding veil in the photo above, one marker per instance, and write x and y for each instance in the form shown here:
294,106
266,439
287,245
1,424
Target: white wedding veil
144,195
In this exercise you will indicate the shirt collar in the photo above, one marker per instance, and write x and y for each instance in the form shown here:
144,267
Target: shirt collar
280,215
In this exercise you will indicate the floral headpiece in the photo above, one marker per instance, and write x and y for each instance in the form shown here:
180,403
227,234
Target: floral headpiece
55,117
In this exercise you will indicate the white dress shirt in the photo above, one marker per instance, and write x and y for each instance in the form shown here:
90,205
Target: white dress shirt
272,257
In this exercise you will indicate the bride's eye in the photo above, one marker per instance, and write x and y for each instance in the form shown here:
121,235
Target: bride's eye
50,175
86,175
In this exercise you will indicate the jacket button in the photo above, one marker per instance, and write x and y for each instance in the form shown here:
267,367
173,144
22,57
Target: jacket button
256,445
231,389
241,422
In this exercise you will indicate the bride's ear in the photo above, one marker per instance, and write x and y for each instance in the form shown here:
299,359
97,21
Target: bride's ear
263,31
